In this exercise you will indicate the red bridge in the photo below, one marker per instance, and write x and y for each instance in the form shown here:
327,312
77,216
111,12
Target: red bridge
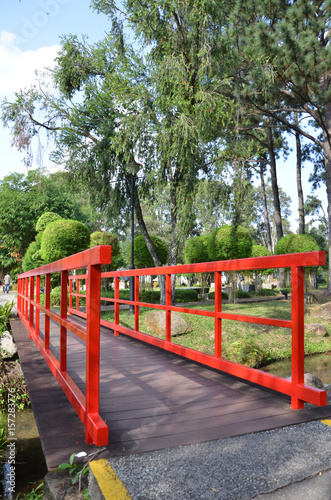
133,397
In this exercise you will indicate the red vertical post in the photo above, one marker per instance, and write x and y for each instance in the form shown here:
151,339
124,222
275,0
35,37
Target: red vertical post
70,295
31,299
116,305
63,315
298,326
218,309
136,308
26,298
168,303
18,295
38,302
47,307
93,342
18,304
77,298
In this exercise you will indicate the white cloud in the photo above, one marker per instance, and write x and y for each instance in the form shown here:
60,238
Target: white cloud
18,67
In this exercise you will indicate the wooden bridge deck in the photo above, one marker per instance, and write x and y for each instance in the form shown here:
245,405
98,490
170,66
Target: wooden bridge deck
150,399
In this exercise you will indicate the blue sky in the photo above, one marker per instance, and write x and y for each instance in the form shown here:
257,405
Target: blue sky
30,31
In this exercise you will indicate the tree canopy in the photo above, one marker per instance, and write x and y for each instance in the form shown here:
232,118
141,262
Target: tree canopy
204,95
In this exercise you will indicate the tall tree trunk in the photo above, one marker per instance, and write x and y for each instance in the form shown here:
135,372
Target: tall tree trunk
275,192
299,180
327,163
265,209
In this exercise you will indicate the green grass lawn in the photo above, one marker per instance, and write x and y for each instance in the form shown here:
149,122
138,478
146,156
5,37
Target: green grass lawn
273,343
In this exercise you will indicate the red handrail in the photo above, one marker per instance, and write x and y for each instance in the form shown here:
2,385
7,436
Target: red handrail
87,406
29,307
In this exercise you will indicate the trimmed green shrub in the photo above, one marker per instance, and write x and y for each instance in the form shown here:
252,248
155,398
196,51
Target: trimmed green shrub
267,292
243,295
153,296
46,219
196,250
63,238
211,295
142,257
229,242
296,243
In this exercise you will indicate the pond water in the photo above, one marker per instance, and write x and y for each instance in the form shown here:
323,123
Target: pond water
317,364
29,464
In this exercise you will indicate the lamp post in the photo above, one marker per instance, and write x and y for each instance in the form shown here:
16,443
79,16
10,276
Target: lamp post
133,169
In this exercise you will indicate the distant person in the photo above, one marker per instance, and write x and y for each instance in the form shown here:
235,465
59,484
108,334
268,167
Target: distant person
7,283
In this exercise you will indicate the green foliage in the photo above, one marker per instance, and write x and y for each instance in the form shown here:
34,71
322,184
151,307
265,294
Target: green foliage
13,387
55,298
106,238
241,294
63,238
45,219
77,472
3,432
245,352
267,292
5,312
142,257
260,251
153,296
229,242
32,257
23,199
211,296
36,493
196,250
296,243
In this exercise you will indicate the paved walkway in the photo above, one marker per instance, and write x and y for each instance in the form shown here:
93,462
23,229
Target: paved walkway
5,297
289,463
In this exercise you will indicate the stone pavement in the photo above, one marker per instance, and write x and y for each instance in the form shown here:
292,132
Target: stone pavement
5,297
292,462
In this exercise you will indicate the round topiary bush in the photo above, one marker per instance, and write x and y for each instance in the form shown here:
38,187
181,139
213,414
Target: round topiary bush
196,250
63,238
142,257
296,243
45,219
229,242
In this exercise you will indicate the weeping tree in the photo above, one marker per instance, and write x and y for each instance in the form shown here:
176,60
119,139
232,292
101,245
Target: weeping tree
108,106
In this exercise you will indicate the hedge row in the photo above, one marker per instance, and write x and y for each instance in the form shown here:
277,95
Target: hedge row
153,296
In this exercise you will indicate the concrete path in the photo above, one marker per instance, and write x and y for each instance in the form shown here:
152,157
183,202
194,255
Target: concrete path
5,297
289,463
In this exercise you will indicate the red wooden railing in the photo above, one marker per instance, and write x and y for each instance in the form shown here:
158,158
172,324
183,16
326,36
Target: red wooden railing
29,307
87,406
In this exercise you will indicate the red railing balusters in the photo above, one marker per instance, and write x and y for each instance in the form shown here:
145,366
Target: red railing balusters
218,309
29,307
